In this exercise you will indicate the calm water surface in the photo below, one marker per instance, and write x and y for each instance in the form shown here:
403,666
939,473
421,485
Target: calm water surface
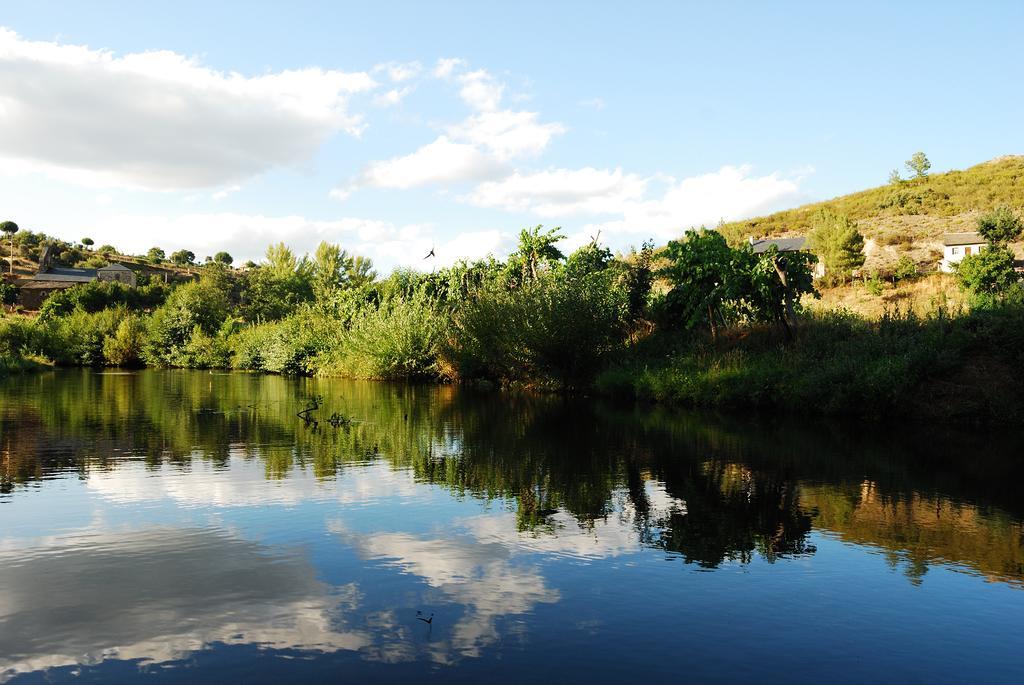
189,527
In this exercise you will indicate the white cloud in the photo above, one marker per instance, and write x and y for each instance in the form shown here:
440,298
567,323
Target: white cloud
476,149
104,200
160,120
224,192
480,90
246,236
507,134
728,194
442,161
392,97
446,66
562,192
400,71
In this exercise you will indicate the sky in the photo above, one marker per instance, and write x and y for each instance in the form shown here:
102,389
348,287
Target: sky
395,127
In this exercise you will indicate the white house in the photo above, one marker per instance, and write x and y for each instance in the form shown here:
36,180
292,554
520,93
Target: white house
957,246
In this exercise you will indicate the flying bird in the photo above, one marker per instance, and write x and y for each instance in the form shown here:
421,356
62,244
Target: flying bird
429,621
431,253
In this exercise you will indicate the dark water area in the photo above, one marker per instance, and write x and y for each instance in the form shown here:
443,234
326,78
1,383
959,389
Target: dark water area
178,526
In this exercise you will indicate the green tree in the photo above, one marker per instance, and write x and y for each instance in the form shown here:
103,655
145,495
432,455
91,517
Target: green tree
224,258
834,238
772,283
918,165
905,269
106,250
183,257
702,270
10,228
638,279
192,313
894,177
360,271
124,347
8,293
330,269
88,242
273,290
1000,226
156,255
536,249
591,258
988,274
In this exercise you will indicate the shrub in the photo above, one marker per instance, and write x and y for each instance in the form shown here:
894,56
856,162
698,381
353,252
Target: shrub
289,346
401,338
193,307
124,347
905,269
553,331
874,284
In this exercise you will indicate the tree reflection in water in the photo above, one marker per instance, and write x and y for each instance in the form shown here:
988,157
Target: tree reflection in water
731,489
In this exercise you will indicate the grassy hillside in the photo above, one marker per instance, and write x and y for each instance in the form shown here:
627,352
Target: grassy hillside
909,217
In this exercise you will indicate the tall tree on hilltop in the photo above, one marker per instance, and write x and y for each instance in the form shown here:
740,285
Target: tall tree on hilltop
918,165
10,228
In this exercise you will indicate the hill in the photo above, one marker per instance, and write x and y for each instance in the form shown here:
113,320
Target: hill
908,217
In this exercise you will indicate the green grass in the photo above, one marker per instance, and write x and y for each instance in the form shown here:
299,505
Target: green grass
934,367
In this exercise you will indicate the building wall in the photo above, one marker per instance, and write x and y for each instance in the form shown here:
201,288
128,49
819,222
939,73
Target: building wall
32,298
126,277
954,253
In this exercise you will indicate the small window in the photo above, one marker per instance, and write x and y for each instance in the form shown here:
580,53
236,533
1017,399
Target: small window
956,250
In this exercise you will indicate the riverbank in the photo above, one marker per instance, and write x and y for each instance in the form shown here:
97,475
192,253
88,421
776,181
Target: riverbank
11,364
957,368
940,367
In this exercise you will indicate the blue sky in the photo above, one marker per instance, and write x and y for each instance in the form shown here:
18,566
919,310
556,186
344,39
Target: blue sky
393,127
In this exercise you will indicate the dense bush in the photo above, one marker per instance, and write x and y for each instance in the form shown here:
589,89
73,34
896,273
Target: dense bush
400,338
191,317
124,347
554,331
99,295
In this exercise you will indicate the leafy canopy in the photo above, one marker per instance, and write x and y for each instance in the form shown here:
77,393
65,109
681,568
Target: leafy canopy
702,269
1000,226
537,249
988,273
183,257
918,165
837,242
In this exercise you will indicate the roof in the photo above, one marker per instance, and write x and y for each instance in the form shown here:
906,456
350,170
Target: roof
971,238
33,284
115,267
784,244
67,275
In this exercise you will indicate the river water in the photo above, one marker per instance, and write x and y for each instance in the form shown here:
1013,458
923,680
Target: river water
180,526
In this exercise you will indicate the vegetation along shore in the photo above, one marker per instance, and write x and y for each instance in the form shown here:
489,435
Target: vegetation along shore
840,307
